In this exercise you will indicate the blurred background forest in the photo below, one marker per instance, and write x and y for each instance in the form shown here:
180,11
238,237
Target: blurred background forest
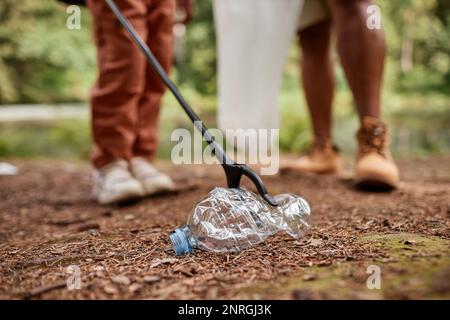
44,63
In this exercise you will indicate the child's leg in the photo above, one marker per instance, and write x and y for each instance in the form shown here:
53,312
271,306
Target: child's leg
160,40
120,84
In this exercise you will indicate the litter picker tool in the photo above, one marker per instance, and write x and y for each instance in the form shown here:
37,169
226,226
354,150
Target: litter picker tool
233,170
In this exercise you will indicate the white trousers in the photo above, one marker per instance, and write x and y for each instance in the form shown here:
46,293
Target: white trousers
253,40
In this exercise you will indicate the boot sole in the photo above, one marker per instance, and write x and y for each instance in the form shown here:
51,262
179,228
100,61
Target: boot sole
372,184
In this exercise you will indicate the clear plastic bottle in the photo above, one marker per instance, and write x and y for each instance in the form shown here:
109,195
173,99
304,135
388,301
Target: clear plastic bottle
230,220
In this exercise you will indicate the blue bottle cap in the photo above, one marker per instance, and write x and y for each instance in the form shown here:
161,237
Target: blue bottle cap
180,242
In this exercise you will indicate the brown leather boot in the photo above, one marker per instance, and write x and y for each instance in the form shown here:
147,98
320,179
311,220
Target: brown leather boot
375,169
322,158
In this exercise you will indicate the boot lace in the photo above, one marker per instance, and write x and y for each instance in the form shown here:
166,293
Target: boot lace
373,139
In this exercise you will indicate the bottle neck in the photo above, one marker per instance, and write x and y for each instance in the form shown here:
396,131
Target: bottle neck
183,240
190,237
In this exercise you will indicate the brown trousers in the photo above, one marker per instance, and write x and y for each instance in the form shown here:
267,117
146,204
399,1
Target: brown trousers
127,96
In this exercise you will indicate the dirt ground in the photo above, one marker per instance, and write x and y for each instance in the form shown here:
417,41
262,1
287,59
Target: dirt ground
49,222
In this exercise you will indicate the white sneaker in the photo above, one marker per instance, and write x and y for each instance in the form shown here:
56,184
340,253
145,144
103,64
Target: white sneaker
115,184
153,181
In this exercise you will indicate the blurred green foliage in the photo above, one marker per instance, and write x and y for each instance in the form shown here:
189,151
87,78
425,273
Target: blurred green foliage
196,67
42,61
61,139
424,27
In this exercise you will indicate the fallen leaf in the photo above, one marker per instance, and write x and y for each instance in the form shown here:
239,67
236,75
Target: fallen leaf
212,293
315,242
309,277
110,289
121,279
151,279
158,262
135,287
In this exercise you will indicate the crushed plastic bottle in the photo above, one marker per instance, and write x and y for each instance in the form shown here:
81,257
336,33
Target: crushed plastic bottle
231,220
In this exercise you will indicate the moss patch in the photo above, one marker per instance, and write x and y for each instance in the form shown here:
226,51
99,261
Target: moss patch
403,245
413,267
